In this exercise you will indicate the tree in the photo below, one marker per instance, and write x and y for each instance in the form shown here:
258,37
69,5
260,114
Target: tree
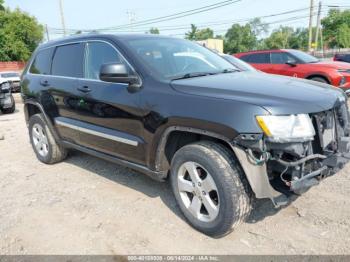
2,7
335,24
240,39
191,35
154,31
280,38
258,27
343,36
20,34
204,34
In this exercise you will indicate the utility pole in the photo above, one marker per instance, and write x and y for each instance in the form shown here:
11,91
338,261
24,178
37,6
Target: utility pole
310,23
47,33
318,24
132,19
62,18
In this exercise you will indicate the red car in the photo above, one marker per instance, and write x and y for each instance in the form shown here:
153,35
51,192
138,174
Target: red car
296,63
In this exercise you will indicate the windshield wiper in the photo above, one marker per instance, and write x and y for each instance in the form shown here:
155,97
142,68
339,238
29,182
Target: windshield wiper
191,75
230,70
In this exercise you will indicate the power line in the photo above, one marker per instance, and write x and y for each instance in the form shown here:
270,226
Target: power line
218,22
177,15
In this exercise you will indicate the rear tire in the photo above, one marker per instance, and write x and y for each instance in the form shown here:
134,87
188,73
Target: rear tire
44,145
11,109
227,198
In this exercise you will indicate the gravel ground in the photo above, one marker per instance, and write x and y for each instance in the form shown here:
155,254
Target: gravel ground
88,206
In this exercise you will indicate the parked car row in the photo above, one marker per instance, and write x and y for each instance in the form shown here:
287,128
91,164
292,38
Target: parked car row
221,132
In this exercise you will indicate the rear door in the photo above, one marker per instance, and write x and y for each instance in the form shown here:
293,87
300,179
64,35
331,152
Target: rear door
110,116
63,88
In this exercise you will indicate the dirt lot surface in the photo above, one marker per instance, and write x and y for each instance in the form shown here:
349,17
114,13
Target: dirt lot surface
88,206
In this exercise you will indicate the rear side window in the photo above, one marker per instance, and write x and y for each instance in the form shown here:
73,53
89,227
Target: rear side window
261,58
42,62
68,61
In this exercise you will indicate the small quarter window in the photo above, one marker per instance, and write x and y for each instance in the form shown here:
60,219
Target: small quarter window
42,62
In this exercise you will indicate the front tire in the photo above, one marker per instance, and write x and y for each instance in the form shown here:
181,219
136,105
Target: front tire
319,79
44,145
210,188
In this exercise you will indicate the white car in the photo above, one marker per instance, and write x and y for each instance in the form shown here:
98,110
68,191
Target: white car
13,78
7,102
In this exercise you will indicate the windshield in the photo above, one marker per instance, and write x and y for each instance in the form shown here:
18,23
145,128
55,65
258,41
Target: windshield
304,57
8,75
174,58
239,63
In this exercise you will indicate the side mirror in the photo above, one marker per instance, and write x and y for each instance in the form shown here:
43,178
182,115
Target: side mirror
291,63
119,73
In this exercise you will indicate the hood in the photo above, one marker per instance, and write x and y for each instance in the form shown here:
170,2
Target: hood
332,64
276,94
2,80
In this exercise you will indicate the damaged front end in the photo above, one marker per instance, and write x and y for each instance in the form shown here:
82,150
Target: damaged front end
277,167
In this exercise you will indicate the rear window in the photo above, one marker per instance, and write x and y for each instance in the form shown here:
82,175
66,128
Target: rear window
42,62
261,58
68,61
8,75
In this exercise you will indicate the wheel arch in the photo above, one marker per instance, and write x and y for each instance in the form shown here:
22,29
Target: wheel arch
175,137
33,107
312,75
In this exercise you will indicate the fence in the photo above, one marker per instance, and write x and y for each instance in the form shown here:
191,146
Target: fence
12,66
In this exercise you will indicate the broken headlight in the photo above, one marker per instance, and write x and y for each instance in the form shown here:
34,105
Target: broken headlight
290,128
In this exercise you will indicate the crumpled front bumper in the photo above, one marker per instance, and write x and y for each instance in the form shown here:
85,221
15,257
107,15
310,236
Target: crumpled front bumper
296,166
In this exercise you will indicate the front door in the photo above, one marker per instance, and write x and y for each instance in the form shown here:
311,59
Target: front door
109,114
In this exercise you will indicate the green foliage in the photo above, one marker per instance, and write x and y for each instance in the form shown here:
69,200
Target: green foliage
287,37
343,36
2,8
154,31
279,38
204,34
20,34
191,35
240,39
199,34
336,28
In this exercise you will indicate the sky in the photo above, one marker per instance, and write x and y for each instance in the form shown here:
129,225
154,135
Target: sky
83,14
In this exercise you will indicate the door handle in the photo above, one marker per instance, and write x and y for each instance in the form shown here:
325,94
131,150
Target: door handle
84,89
44,83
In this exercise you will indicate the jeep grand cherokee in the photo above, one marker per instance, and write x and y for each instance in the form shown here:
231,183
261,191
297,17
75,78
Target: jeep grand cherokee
176,111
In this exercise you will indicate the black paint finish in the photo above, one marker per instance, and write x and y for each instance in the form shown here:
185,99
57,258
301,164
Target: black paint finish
223,104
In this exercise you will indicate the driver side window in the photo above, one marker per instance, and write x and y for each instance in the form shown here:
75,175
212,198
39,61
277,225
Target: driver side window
281,58
97,54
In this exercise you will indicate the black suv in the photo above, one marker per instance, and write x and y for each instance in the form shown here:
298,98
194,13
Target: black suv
176,111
